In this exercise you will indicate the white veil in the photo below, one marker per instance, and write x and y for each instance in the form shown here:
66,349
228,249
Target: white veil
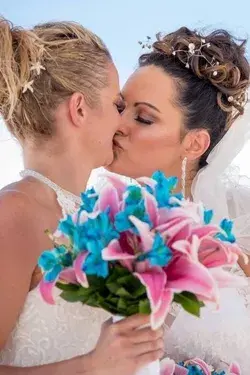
221,187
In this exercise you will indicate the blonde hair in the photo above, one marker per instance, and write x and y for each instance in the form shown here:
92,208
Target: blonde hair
71,58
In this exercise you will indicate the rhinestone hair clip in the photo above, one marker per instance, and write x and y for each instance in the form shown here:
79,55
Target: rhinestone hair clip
193,51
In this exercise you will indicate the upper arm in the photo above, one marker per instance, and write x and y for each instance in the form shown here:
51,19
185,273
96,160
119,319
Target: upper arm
17,258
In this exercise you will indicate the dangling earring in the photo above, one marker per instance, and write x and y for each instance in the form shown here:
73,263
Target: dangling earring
183,176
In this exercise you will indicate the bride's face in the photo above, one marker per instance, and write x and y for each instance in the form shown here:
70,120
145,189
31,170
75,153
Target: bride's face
151,127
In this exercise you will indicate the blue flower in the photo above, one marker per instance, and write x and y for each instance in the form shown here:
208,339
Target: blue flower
89,199
67,226
47,260
134,206
52,262
93,236
159,255
164,190
227,227
53,274
208,215
95,265
95,232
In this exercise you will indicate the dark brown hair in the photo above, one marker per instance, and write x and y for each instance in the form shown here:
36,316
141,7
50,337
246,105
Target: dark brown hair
211,74
71,58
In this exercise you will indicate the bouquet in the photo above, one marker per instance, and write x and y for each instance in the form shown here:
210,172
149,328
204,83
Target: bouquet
195,367
137,249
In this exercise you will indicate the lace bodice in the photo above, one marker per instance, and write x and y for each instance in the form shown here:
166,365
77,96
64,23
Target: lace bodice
47,334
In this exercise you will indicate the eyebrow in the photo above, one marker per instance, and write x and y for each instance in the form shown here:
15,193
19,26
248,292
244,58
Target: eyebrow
148,105
143,103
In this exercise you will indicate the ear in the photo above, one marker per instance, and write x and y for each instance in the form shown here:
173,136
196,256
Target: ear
196,143
77,109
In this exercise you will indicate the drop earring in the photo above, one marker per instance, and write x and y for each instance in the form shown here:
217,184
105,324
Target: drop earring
183,176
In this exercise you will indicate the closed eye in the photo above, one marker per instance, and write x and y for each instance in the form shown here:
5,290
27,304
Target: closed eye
143,120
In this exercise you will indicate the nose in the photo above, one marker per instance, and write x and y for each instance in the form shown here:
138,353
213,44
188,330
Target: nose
124,127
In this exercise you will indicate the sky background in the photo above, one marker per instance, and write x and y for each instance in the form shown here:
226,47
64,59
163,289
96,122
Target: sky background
121,24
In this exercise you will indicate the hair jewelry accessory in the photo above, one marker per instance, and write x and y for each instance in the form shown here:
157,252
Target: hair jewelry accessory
37,67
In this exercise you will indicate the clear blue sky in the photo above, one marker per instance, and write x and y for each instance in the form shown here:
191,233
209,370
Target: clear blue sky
121,24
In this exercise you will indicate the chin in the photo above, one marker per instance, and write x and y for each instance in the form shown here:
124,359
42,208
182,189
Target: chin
108,160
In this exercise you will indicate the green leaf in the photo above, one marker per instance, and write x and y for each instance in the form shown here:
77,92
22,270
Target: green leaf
132,285
106,306
139,291
112,287
70,296
132,309
144,306
122,304
96,282
67,287
113,300
117,272
122,292
189,302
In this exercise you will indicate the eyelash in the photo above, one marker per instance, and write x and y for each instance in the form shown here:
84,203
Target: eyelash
143,121
120,108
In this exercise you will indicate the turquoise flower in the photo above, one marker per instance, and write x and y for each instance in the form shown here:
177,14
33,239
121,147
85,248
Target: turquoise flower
208,215
133,206
53,274
227,235
160,255
93,236
163,191
67,226
95,232
52,262
89,199
95,265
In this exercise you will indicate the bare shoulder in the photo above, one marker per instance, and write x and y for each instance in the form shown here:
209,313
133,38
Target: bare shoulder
15,207
18,249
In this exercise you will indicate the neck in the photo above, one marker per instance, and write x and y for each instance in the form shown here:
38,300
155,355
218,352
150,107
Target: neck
60,168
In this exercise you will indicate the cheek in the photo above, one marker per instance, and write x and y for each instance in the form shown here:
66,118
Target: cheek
155,139
108,123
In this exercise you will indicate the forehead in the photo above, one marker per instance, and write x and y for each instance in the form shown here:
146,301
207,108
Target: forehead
113,77
150,84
